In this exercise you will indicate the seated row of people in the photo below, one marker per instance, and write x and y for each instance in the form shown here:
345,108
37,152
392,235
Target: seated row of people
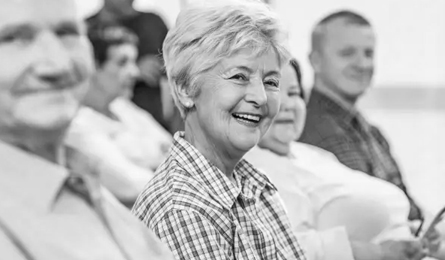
209,199
126,142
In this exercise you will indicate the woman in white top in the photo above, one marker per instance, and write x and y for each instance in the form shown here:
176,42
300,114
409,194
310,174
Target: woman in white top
124,141
320,193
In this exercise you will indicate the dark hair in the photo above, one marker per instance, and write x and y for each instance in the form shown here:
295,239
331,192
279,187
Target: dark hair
296,66
102,37
349,16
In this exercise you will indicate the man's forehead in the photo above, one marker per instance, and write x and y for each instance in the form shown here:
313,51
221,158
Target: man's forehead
36,11
342,30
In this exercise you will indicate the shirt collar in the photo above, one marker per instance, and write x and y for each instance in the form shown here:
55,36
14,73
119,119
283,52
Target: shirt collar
334,104
27,179
250,181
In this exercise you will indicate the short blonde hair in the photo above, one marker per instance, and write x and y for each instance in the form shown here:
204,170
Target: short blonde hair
207,32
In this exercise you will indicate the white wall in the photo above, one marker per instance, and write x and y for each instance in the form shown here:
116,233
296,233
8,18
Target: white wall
411,33
411,36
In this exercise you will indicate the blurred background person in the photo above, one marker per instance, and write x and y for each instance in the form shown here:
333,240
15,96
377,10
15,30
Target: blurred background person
322,196
342,56
126,141
151,31
223,60
46,210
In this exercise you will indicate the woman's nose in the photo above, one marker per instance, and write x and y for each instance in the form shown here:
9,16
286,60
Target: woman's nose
256,93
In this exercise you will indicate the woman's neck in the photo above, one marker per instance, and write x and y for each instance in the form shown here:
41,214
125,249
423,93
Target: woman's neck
98,101
223,160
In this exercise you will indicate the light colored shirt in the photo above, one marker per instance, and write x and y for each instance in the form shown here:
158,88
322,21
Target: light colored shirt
195,209
40,218
127,150
370,209
329,244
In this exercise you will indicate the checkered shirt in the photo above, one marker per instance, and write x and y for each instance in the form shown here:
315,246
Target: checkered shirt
356,143
201,214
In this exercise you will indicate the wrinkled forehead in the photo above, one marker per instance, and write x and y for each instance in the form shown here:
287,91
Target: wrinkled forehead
37,12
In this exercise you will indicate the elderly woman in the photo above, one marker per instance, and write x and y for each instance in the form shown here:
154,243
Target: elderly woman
126,141
48,211
223,61
321,194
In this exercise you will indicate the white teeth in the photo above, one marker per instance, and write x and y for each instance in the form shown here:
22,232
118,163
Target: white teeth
248,117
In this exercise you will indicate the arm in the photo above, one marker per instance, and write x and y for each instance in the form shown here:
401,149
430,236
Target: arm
388,250
190,236
331,244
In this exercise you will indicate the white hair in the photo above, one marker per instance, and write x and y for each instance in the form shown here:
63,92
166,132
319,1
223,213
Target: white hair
207,32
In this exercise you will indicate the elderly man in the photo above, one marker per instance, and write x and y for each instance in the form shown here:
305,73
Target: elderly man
342,57
47,211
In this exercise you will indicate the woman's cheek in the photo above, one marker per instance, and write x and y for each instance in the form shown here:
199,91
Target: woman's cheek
273,103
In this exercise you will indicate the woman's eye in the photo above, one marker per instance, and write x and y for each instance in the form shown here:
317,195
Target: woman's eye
273,83
241,77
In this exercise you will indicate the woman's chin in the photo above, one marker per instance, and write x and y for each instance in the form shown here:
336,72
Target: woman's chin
245,142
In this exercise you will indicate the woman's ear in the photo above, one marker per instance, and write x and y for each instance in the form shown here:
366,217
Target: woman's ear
183,94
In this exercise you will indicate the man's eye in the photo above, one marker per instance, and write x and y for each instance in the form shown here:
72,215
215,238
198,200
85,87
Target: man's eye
347,53
16,37
67,31
241,77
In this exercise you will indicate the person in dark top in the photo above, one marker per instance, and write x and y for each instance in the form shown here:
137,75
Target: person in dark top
342,57
151,31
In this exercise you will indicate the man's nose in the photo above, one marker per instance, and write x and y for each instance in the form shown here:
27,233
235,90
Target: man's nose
364,62
135,72
54,61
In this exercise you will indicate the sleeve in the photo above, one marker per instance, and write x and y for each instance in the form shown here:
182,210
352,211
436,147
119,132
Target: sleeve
189,236
346,152
331,244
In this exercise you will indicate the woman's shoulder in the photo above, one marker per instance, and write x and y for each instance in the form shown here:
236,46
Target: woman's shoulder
174,188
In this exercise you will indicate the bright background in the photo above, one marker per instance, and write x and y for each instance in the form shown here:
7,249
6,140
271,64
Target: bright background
408,100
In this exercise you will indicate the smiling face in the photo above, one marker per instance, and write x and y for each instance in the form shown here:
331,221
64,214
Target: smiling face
345,63
118,73
289,123
45,62
237,101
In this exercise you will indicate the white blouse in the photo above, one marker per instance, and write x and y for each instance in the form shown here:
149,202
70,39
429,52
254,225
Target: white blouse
127,150
320,193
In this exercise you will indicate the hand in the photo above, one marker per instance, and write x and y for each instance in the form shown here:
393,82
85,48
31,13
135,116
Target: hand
150,67
402,250
432,242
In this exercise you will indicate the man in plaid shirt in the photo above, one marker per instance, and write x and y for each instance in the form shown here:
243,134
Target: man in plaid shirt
343,60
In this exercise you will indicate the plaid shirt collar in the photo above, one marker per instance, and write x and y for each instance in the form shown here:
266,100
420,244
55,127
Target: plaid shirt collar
329,101
250,182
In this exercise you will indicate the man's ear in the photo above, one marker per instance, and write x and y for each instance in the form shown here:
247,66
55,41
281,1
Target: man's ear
315,60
